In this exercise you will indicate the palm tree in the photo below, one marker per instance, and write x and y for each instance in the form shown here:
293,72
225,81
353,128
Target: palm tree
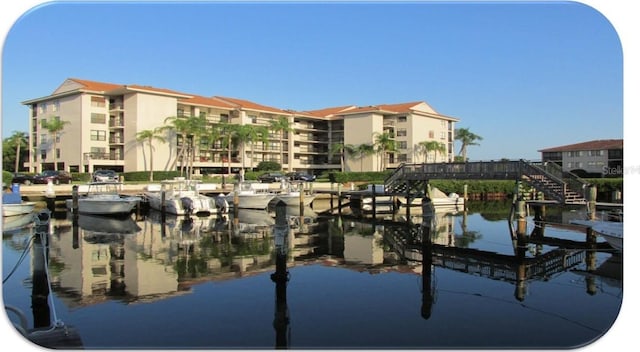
343,149
248,134
384,143
432,146
228,132
364,150
467,138
187,129
149,136
18,140
257,133
54,126
281,125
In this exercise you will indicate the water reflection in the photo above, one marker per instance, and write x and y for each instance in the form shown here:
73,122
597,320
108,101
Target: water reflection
152,257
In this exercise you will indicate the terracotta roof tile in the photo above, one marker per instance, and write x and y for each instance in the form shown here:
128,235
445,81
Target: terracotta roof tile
246,104
600,144
200,100
96,86
326,112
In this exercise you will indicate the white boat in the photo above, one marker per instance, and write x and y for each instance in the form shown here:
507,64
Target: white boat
251,196
13,205
291,197
183,197
438,199
15,209
103,198
16,222
609,230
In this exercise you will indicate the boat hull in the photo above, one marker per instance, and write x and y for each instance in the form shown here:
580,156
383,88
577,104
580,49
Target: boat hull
105,205
177,205
251,201
17,209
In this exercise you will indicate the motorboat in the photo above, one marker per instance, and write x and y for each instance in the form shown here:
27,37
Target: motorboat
13,205
183,197
438,199
17,222
291,197
250,196
611,231
103,198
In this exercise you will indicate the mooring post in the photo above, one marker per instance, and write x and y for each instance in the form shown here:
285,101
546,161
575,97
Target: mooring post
522,218
74,199
301,188
281,276
592,194
339,199
373,200
465,195
427,258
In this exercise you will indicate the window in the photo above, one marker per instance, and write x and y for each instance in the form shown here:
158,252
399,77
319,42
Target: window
98,102
42,108
180,112
443,124
56,105
98,118
43,154
401,145
596,152
254,119
432,134
402,132
576,153
402,119
57,152
402,158
98,135
443,135
224,117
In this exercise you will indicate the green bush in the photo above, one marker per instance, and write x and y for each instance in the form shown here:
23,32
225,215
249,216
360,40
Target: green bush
268,166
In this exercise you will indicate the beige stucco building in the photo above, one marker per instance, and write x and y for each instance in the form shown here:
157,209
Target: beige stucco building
102,121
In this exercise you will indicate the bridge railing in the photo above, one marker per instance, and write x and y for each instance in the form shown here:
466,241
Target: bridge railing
573,181
500,170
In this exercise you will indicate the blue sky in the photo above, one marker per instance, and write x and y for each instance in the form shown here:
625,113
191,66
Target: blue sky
524,76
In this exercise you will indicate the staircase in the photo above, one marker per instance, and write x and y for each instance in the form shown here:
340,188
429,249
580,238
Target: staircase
564,187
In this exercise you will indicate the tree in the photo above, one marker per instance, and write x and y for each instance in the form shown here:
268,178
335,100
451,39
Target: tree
54,126
467,138
383,144
186,129
249,134
436,147
149,136
342,149
17,140
363,150
281,125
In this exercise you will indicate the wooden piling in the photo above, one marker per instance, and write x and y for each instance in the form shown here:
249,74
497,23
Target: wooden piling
592,193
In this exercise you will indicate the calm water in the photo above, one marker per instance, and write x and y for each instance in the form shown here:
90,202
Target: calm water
352,283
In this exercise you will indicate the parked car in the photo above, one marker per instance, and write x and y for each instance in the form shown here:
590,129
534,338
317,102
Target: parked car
301,176
105,176
272,177
54,176
22,178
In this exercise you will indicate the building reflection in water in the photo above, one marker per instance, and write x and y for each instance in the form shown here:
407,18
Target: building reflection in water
158,257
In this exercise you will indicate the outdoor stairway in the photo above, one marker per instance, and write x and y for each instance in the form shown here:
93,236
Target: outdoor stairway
548,178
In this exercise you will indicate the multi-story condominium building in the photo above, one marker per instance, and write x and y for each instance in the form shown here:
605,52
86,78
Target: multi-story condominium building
592,158
102,122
